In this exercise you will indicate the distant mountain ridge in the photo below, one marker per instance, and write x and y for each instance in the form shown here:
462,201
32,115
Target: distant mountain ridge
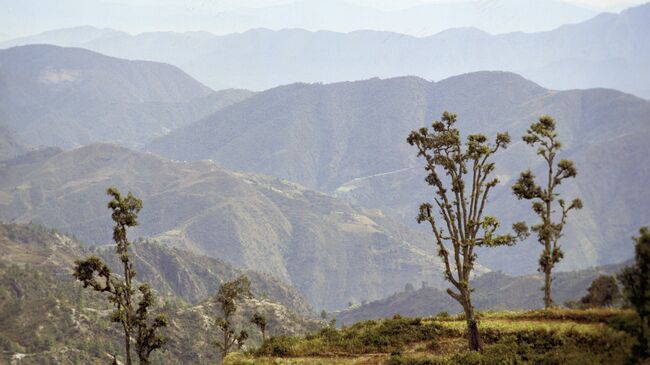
66,97
494,16
493,291
608,50
332,252
348,139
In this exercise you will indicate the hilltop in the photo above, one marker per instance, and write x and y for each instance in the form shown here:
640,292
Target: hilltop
80,97
533,337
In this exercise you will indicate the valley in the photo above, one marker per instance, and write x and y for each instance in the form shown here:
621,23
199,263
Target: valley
324,182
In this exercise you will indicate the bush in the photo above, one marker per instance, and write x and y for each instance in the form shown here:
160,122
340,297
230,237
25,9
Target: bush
278,346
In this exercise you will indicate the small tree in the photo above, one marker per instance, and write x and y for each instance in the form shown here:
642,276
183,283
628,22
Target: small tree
543,135
459,174
602,292
260,321
636,289
323,314
147,339
226,298
92,272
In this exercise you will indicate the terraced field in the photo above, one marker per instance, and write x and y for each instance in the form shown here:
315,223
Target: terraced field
534,337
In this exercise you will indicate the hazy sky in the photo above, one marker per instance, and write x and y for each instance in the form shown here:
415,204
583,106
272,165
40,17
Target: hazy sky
607,5
24,17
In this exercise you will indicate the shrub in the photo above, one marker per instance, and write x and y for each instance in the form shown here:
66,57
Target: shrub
278,346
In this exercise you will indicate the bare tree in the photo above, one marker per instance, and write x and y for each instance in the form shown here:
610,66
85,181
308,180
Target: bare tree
543,135
92,272
460,177
227,297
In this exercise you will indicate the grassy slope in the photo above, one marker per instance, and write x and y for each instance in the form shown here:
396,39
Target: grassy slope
532,337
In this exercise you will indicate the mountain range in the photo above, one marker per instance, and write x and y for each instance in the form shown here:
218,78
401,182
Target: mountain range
222,17
348,139
344,139
332,252
608,50
493,291
67,97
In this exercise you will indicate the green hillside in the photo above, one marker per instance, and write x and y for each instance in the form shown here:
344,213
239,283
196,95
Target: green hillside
534,337
48,318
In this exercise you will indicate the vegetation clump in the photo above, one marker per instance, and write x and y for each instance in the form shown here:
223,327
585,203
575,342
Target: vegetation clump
636,289
361,338
603,292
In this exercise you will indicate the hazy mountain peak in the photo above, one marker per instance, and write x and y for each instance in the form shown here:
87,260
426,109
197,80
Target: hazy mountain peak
82,97
462,32
610,50
491,79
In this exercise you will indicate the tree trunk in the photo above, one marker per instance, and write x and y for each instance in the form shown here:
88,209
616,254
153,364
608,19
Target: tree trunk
127,348
226,339
548,301
143,356
473,335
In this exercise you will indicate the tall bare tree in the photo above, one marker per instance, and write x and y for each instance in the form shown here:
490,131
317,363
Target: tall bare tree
542,135
460,175
92,272
227,297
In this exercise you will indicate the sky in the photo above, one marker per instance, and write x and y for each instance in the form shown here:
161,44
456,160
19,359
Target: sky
26,17
605,5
